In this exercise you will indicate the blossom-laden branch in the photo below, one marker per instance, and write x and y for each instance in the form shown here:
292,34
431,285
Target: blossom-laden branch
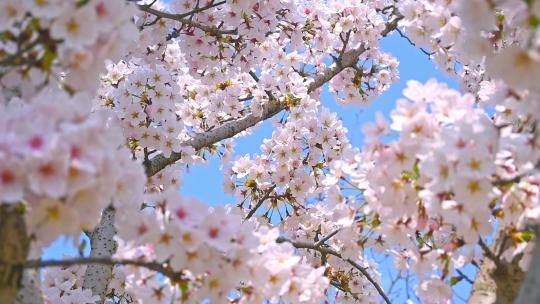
182,18
329,251
175,275
269,109
154,266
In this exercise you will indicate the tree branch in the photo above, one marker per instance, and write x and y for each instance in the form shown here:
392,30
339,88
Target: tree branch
201,9
9,60
429,54
157,267
271,108
325,250
259,203
182,19
464,276
326,238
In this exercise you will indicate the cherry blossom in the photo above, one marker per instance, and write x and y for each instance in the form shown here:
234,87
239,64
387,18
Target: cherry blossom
106,105
68,165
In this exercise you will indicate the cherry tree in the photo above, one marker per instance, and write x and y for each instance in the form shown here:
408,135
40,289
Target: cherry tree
105,104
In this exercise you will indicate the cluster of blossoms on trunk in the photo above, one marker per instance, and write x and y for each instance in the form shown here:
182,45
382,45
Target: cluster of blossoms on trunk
108,103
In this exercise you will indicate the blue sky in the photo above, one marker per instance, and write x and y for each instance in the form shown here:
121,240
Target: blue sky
205,181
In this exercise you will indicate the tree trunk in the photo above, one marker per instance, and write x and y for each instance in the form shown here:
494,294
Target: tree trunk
496,284
14,247
497,281
530,291
97,277
30,291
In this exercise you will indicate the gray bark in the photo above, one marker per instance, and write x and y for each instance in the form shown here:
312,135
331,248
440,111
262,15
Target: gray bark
97,277
30,291
14,247
498,281
530,291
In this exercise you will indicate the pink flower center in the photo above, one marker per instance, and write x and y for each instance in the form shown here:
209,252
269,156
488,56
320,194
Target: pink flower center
7,177
181,213
213,233
142,229
36,142
47,169
76,152
101,10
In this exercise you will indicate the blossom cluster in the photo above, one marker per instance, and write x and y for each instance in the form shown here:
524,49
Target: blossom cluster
261,33
432,24
48,38
427,188
336,218
239,66
65,166
216,254
363,84
441,186
64,285
489,39
293,162
145,100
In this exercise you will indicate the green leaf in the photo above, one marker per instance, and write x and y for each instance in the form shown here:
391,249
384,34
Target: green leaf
184,288
21,207
455,280
81,247
82,2
534,21
47,60
376,222
523,236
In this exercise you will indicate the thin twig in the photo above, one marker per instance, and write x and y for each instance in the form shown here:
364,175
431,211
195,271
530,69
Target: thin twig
200,9
489,254
370,279
464,276
414,44
259,203
181,18
325,250
326,238
256,78
9,59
